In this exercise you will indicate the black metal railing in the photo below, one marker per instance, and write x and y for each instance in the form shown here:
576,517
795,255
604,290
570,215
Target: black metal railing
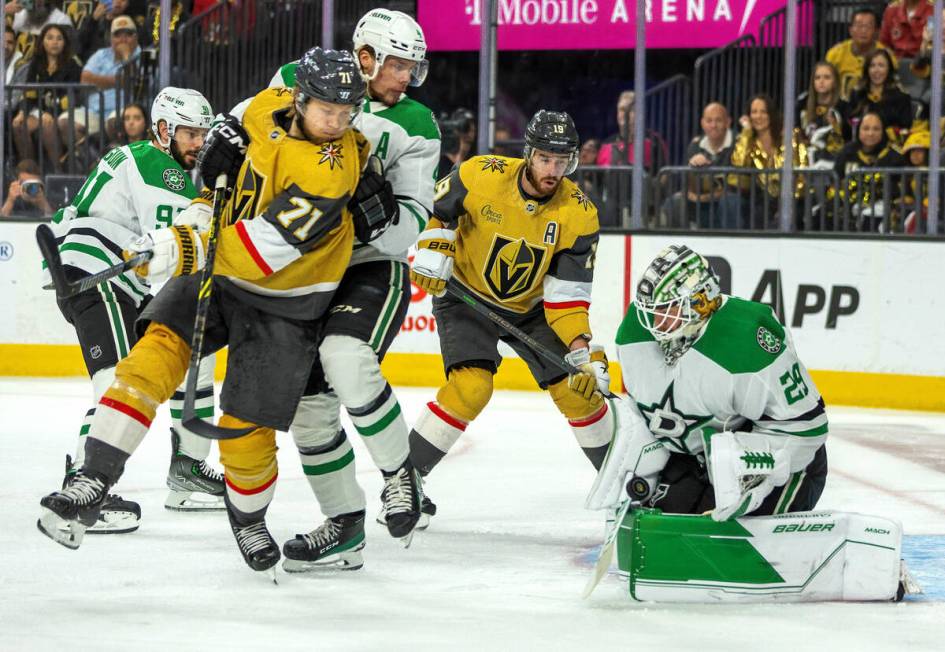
727,75
668,114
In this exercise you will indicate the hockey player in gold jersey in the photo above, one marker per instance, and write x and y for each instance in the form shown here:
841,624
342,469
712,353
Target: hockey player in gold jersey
521,238
278,262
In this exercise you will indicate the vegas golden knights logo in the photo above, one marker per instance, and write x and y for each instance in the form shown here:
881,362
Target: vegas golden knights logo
512,266
243,204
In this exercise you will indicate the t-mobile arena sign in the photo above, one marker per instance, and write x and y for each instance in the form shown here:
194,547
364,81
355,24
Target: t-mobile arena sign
592,24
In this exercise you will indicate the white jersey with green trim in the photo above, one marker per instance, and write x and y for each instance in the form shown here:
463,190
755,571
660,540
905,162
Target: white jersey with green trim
741,373
407,140
134,189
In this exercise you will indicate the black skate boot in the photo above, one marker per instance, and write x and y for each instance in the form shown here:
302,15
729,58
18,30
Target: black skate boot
401,500
193,484
68,513
335,544
260,551
117,515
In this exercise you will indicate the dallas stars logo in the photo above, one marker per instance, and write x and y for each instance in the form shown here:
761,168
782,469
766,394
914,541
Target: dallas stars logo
331,154
174,179
493,164
581,198
669,424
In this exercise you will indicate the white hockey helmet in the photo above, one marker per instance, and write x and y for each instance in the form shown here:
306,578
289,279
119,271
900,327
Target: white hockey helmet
179,107
392,33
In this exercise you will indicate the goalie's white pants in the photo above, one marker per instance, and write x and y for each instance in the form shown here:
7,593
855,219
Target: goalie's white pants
798,557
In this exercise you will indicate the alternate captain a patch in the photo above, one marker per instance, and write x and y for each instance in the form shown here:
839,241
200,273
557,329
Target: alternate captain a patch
512,266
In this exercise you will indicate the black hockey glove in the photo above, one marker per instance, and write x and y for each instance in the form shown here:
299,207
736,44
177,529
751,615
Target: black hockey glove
373,206
223,151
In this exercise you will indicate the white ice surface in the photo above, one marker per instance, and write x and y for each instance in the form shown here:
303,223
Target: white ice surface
501,567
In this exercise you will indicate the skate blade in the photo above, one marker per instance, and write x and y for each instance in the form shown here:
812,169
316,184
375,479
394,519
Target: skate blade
345,561
193,501
423,523
908,585
272,574
405,541
65,533
115,522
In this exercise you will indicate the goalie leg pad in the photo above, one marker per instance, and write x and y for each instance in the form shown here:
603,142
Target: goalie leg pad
352,369
799,557
250,468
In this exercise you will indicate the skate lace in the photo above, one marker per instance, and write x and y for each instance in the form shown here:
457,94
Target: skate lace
84,490
253,537
322,535
207,471
398,493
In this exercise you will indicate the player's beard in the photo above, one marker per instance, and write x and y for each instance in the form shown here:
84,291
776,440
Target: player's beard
536,183
179,157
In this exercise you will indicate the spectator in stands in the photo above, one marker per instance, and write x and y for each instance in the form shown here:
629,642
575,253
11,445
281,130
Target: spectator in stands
916,154
11,55
152,31
135,125
878,92
52,63
922,65
618,148
702,204
760,146
864,191
500,142
847,56
28,21
589,151
26,196
454,148
821,116
903,24
94,29
102,70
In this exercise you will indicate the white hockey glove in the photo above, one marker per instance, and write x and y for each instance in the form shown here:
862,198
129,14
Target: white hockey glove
176,251
197,215
594,372
635,458
744,470
433,264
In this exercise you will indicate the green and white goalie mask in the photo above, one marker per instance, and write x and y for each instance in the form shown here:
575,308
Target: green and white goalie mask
675,298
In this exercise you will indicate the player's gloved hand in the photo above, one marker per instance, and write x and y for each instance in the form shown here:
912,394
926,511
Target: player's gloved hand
594,374
223,150
744,469
197,215
175,251
433,264
373,206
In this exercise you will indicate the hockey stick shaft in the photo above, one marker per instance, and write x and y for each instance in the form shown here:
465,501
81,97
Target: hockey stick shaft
46,240
189,418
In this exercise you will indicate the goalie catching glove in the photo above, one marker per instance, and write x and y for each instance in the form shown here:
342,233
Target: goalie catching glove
373,207
175,251
594,374
433,264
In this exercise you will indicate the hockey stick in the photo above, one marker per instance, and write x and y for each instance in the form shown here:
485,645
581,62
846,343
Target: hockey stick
189,418
606,552
65,288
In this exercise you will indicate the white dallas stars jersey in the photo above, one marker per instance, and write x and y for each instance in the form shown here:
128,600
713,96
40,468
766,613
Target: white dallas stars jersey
407,140
742,373
134,189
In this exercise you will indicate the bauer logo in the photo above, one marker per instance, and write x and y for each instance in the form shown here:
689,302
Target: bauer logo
803,527
6,251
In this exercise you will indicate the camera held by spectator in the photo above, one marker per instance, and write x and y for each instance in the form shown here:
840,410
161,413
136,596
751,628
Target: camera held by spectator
26,196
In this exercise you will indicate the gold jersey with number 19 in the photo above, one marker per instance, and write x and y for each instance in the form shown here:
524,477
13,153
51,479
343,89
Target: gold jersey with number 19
515,252
290,235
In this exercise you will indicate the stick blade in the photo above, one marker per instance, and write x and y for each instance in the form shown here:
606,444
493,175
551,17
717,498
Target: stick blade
46,239
206,429
600,569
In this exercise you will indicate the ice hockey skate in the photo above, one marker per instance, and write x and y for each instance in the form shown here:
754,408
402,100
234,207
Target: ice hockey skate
68,513
402,502
336,544
116,516
260,551
193,484
427,510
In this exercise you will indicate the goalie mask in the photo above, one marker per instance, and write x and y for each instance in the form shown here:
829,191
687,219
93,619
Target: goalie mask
330,76
677,295
553,131
392,33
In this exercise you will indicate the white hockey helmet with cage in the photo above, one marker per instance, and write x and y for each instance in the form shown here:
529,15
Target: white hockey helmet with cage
677,295
179,107
392,33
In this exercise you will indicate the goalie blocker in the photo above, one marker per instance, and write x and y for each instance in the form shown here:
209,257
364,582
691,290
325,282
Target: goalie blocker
798,557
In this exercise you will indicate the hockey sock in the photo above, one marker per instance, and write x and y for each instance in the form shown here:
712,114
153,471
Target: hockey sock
330,471
119,424
193,445
381,425
594,433
83,432
435,433
250,468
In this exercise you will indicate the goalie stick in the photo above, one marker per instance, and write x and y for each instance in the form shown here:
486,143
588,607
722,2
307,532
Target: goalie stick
189,418
65,288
